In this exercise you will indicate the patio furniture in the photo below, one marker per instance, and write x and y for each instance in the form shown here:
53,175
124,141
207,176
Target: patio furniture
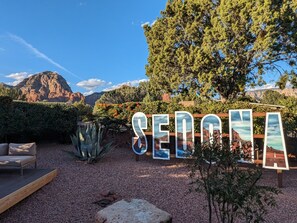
17,155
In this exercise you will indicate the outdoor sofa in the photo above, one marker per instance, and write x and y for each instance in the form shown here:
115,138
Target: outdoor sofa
17,155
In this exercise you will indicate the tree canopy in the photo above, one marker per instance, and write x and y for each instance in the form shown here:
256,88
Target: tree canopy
221,46
272,97
123,94
11,92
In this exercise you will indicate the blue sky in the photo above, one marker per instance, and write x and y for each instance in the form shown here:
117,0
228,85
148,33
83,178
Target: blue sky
93,44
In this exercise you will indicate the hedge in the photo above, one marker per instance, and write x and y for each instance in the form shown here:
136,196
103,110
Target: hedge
22,121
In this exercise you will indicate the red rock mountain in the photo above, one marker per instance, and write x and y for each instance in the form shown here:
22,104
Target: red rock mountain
258,94
48,86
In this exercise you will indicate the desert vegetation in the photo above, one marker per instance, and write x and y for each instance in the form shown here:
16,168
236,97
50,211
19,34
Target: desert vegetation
206,52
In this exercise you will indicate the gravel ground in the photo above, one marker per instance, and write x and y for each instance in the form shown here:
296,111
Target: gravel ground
71,195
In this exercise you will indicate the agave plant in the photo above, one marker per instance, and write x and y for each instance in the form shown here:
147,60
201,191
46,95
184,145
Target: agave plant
88,142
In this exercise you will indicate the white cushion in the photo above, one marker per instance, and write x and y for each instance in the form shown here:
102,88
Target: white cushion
28,149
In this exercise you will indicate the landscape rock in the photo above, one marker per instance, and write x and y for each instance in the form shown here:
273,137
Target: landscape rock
133,211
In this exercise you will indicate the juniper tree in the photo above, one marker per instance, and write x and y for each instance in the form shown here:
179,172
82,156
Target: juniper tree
220,46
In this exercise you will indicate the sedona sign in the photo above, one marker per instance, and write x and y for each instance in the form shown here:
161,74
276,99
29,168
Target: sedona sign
240,133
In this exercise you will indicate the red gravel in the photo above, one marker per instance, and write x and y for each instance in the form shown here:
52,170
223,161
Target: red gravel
71,195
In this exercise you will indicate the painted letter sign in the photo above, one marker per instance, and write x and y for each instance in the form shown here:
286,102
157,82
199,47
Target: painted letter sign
184,134
240,133
275,153
211,128
160,136
139,143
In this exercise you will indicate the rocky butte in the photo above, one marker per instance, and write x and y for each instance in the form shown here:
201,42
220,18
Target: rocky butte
258,94
48,86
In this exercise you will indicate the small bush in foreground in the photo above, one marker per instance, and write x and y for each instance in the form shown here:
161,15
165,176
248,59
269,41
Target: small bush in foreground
232,192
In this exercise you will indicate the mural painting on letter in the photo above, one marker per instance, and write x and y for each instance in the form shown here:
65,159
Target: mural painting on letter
241,133
211,126
275,153
184,134
139,143
160,136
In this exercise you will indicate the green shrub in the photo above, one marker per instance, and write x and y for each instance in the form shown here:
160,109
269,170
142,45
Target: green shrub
232,192
85,111
22,121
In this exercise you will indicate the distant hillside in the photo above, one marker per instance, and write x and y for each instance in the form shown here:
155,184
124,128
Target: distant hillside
47,86
92,98
258,94
5,85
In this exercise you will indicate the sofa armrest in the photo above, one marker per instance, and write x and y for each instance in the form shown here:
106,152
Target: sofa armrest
3,149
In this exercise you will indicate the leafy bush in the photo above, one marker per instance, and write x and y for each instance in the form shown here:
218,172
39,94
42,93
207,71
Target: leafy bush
22,121
13,93
123,111
123,94
85,111
272,97
289,113
232,192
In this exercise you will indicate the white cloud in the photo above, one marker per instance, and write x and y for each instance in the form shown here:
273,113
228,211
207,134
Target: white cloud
18,77
37,53
133,83
153,22
92,84
88,93
82,3
148,23
144,24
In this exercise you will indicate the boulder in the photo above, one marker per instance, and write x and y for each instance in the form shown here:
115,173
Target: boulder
132,211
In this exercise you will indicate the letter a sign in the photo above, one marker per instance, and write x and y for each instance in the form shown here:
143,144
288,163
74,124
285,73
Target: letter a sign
275,153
